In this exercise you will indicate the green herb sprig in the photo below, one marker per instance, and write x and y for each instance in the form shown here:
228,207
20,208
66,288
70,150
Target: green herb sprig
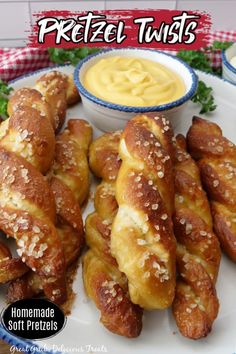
196,59
199,60
5,90
204,97
72,56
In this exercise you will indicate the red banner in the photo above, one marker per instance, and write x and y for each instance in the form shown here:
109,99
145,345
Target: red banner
160,29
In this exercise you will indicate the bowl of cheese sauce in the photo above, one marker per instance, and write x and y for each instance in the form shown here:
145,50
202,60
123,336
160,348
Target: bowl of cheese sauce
229,64
117,84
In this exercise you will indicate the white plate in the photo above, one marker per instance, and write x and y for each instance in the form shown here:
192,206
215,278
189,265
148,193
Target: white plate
83,331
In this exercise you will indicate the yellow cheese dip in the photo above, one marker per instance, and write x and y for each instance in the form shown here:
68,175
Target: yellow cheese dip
133,81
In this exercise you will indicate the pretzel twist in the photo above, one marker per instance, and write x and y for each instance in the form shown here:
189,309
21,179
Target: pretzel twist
59,91
28,215
216,158
10,268
73,142
30,284
71,158
195,305
27,204
29,135
103,281
51,95
142,238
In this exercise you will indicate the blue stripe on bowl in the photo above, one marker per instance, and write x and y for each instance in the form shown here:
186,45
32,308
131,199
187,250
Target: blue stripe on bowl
122,108
227,63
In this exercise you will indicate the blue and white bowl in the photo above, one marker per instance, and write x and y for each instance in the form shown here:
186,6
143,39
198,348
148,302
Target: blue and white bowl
228,70
108,116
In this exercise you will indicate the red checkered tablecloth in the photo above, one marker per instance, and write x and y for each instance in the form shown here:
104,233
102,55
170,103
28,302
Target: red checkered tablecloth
15,62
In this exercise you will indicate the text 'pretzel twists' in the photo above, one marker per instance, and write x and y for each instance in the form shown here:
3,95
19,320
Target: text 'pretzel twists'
216,158
198,252
142,238
103,281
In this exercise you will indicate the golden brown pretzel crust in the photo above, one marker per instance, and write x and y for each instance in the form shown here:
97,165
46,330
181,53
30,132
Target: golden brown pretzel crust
142,238
103,281
27,145
28,215
31,98
103,156
195,305
29,135
10,268
71,158
58,90
216,158
74,142
31,285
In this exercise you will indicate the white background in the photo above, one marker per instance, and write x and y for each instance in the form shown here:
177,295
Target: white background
16,15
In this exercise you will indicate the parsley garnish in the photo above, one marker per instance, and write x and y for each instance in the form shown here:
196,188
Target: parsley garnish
4,93
72,56
198,59
204,97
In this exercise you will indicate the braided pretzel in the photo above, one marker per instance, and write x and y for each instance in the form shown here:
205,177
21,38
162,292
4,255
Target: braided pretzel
142,238
27,204
216,158
53,92
27,213
31,98
74,141
30,284
30,136
71,161
10,268
103,281
195,305
59,91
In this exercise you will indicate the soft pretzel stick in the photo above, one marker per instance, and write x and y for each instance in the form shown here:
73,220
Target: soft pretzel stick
29,135
195,305
27,144
27,213
51,95
10,268
30,285
59,91
142,238
31,98
216,158
70,185
71,158
103,282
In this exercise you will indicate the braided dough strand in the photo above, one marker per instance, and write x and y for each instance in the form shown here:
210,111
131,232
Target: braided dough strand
196,304
70,165
28,215
59,91
103,281
142,238
216,158
10,268
51,95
